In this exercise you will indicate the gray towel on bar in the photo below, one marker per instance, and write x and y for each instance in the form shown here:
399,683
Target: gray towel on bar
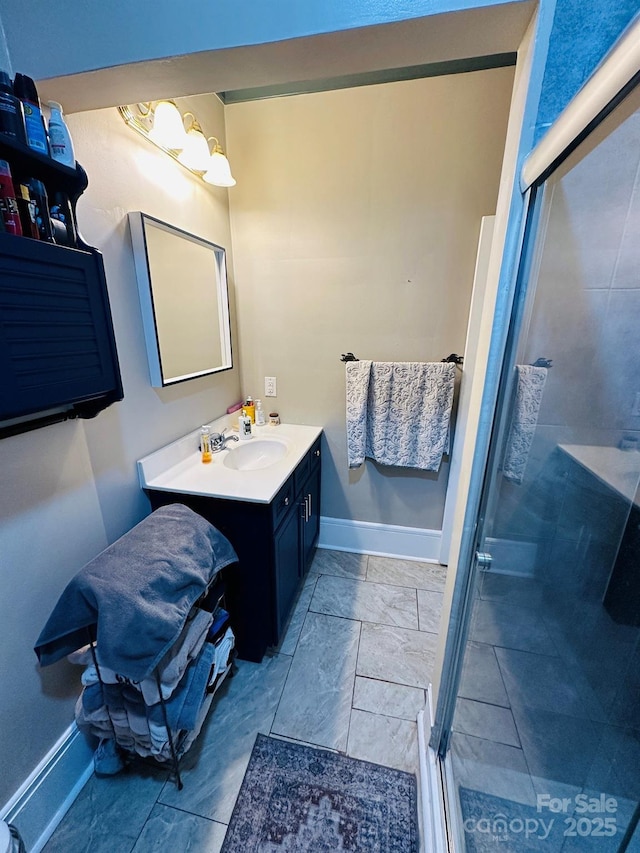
530,382
138,592
398,413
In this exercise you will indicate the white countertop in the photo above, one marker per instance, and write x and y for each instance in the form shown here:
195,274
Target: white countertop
178,467
618,469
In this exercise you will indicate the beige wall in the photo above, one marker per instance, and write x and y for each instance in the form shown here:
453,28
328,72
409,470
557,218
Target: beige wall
70,489
355,224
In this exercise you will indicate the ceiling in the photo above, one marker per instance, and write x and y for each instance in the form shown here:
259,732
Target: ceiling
437,44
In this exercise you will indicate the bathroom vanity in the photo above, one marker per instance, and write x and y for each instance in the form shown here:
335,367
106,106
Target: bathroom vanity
264,496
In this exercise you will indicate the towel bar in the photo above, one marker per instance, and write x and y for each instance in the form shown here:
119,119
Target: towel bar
454,357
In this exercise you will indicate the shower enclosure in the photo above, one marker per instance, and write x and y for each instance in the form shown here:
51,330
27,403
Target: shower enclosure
541,747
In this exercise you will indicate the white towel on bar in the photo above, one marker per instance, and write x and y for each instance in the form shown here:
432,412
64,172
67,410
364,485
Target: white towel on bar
398,413
530,382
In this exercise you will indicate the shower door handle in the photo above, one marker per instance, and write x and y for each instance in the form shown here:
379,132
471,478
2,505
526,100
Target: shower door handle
483,560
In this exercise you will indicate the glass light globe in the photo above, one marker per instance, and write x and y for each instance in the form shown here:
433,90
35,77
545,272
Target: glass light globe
219,171
168,129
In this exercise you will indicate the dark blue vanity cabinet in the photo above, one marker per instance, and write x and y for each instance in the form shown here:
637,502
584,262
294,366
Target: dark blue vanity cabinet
57,348
275,543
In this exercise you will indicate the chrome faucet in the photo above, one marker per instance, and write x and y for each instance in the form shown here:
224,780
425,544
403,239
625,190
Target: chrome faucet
219,440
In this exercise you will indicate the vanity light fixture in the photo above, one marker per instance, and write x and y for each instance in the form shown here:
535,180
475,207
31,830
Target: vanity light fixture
162,123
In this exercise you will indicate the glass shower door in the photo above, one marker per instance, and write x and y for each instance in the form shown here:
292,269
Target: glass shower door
544,745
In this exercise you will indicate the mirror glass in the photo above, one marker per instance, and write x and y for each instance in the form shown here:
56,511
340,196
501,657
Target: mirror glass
182,282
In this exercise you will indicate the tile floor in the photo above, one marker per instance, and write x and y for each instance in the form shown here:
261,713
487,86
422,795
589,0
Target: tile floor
540,708
350,675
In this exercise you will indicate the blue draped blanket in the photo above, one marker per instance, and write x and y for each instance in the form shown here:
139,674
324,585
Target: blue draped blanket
136,595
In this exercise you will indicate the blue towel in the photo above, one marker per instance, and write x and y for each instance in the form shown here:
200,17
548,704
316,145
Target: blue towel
398,413
184,706
138,592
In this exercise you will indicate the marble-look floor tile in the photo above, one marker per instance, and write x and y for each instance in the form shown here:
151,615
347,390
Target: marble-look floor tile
429,610
370,602
407,573
213,769
400,655
543,683
493,768
481,678
511,627
489,722
292,634
383,740
316,701
392,700
109,812
557,747
173,829
344,564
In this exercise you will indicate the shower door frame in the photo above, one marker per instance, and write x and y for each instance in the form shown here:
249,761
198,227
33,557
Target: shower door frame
610,84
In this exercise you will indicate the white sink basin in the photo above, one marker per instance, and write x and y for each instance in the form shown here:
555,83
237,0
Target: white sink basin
245,471
255,454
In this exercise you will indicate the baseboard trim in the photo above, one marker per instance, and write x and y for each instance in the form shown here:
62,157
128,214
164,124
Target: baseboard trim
46,796
385,540
433,839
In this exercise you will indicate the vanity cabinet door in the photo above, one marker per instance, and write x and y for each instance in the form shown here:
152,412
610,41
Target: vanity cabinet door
310,520
286,551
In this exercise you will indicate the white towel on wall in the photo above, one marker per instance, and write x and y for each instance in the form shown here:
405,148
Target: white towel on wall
530,382
398,413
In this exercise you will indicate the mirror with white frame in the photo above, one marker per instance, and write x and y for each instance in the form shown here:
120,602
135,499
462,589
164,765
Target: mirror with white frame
182,283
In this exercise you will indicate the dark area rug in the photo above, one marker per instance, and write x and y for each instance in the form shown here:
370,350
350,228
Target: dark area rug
307,800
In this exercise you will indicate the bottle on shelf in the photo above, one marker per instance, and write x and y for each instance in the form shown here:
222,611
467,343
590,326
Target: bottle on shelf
8,203
36,134
62,220
27,212
11,114
59,137
38,194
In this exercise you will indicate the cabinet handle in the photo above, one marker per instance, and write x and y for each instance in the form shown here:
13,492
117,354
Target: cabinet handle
286,501
309,506
317,453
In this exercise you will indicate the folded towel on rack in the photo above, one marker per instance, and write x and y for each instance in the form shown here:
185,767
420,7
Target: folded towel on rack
398,413
137,594
530,383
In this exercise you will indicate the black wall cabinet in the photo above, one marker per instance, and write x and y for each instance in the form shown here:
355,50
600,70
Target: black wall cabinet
57,348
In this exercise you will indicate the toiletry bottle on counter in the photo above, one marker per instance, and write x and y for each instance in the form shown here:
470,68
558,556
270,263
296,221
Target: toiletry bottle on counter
25,90
59,137
260,416
244,424
205,444
250,410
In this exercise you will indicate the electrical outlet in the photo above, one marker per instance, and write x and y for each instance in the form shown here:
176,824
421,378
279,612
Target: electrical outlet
635,411
270,386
